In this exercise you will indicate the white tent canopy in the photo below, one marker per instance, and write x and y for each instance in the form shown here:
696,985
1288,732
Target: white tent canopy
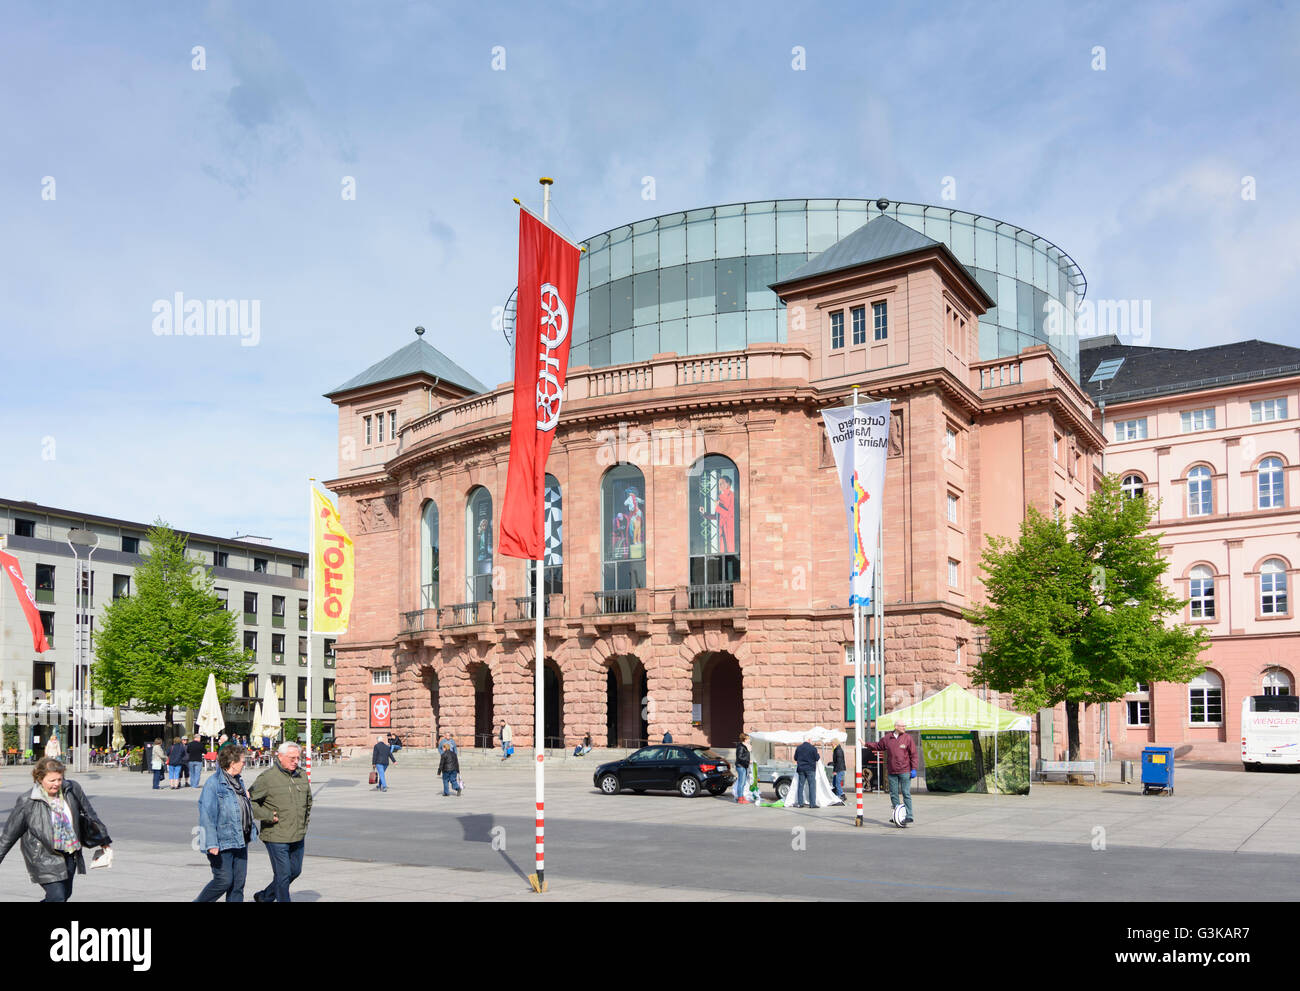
819,735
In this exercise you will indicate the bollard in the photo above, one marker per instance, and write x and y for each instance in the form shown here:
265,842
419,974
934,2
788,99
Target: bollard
1126,771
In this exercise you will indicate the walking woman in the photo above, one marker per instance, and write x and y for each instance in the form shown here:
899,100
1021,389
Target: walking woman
158,760
54,821
175,761
449,768
226,827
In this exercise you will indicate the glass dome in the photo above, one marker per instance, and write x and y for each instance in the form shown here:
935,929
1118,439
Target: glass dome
697,282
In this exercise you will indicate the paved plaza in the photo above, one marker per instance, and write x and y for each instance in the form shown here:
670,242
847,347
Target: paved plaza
1224,835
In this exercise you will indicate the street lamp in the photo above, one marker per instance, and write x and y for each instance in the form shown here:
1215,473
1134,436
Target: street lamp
90,541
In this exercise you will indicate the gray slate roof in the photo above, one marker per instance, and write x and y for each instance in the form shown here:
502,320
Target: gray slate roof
1149,371
883,237
414,359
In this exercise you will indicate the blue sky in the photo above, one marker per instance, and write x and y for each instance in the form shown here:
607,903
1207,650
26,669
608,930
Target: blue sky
226,183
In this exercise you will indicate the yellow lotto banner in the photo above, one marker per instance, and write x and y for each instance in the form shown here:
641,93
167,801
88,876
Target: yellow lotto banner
333,561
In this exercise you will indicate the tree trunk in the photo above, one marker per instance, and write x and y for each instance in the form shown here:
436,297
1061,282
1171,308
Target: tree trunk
1072,736
169,728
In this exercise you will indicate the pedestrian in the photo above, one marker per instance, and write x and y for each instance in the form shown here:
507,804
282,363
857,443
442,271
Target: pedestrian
742,770
53,748
507,745
226,827
281,798
379,758
54,821
838,767
584,748
158,761
447,738
668,737
394,745
806,760
449,768
901,765
176,758
222,740
194,757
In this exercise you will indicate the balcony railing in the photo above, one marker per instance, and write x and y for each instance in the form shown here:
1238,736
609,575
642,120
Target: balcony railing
720,596
419,620
467,613
277,622
45,595
277,658
525,607
618,601
429,596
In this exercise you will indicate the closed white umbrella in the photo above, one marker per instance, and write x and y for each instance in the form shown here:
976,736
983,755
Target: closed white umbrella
255,738
211,722
270,712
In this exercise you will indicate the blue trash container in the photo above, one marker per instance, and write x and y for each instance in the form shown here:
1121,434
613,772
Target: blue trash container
1158,770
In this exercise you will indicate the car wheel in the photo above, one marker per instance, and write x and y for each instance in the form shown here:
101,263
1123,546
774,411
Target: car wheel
609,784
688,786
782,789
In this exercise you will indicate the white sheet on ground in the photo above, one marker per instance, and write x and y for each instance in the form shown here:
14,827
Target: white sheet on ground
825,795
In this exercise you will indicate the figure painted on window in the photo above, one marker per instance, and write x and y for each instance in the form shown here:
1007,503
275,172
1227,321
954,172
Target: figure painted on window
633,523
483,547
719,512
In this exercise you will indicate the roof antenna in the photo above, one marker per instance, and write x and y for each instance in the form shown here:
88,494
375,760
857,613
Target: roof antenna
419,331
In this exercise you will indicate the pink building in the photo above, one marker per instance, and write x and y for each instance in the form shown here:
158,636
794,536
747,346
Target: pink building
1212,435
662,615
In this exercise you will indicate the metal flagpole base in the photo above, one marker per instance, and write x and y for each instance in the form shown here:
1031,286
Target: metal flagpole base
538,882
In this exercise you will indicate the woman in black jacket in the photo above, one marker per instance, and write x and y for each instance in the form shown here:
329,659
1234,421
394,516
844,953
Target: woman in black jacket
54,821
175,761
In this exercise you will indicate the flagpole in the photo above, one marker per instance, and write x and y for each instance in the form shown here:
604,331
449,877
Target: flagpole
311,608
859,686
539,679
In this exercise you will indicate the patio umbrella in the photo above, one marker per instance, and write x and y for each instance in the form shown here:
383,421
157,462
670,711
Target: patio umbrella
270,712
255,737
211,721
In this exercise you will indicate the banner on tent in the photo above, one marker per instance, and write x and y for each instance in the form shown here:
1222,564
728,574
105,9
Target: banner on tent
986,763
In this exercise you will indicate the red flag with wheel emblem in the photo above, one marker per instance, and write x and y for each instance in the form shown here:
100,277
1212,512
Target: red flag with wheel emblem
548,285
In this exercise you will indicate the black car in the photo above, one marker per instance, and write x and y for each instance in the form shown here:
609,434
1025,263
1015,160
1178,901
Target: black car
685,768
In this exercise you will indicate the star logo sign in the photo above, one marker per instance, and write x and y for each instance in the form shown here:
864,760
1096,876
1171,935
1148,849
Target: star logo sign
381,709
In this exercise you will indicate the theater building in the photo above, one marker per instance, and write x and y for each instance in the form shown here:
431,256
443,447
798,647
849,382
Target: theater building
697,563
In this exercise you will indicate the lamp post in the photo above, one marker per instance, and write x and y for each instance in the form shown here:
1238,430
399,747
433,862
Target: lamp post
90,541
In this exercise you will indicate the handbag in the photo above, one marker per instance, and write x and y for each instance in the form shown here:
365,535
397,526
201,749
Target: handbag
374,777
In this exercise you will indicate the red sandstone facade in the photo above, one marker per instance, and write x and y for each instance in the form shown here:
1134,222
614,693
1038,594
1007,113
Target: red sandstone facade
998,436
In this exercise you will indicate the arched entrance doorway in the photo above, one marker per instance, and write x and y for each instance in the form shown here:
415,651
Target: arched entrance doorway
553,722
430,681
626,703
719,692
484,720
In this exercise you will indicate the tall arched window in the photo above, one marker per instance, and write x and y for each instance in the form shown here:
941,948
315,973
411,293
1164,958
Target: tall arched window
1201,592
623,536
429,556
1200,495
553,565
1270,483
1272,588
478,545
1133,486
1205,699
1277,682
713,521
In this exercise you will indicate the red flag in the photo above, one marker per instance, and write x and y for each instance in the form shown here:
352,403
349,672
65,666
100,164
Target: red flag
26,600
548,285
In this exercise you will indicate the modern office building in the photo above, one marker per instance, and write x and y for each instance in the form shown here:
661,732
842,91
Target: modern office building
265,585
697,561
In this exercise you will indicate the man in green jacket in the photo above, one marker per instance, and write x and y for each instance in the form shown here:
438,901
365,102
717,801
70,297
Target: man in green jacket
281,799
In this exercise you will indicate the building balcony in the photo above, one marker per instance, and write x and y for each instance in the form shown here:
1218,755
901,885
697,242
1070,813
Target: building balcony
45,595
277,658
250,619
467,614
302,623
523,608
277,622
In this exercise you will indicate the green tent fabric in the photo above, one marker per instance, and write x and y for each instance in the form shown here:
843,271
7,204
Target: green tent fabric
954,708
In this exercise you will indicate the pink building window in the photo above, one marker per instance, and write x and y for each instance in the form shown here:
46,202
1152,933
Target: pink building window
1269,484
1133,486
1272,588
1200,493
1202,593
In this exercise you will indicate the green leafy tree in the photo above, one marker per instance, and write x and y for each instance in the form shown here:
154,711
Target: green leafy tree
156,648
317,733
1078,613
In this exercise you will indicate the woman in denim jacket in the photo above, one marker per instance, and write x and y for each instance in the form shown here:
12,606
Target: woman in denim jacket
226,827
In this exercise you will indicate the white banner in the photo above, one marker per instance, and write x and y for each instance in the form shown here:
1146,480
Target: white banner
859,437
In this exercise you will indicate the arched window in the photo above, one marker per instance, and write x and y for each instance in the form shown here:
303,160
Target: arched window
1205,700
429,556
1200,494
1277,682
478,545
623,536
1133,486
1201,592
553,565
1270,483
1272,588
713,521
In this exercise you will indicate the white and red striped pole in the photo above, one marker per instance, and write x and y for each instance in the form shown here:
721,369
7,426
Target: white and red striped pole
858,686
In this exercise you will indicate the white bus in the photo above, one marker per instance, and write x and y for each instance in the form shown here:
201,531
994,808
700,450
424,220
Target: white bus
1270,731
